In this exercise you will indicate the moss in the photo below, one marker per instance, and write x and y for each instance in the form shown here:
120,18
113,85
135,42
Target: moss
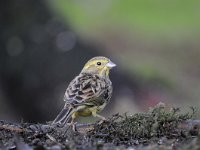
159,128
141,128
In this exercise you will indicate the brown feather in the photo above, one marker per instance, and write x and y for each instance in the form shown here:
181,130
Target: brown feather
88,88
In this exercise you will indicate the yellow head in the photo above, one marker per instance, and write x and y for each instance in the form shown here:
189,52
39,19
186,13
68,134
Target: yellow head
98,65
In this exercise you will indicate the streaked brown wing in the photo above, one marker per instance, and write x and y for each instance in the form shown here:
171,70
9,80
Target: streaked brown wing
85,89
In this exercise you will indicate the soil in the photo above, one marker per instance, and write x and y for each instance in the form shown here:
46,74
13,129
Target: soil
159,128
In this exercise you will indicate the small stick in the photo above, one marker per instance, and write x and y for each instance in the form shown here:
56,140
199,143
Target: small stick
13,129
51,138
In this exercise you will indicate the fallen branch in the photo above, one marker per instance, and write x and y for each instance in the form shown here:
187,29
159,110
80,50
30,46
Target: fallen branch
11,128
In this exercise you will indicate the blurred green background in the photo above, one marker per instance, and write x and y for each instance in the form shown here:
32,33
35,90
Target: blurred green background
154,39
44,44
156,18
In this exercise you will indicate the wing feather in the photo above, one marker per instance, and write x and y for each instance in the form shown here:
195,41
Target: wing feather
85,88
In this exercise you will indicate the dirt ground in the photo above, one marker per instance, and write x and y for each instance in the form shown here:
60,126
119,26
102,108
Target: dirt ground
159,128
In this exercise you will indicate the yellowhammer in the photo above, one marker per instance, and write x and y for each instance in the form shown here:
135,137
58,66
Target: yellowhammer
89,92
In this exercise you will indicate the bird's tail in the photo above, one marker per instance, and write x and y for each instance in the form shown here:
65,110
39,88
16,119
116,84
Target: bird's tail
64,116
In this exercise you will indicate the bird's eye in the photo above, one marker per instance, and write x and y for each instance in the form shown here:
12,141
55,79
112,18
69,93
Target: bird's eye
98,63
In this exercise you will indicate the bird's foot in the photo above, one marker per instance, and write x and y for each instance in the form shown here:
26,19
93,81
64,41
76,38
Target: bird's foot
74,126
103,119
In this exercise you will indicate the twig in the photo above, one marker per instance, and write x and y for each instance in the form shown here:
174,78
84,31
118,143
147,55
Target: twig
51,138
13,129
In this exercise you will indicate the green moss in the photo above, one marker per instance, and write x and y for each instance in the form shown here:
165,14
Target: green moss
142,127
153,17
160,128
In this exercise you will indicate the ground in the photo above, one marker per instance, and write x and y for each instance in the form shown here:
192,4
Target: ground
159,128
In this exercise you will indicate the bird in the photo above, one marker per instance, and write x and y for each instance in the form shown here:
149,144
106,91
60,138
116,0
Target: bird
88,93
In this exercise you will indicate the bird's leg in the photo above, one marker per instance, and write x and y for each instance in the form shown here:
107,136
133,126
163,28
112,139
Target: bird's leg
73,124
101,117
94,113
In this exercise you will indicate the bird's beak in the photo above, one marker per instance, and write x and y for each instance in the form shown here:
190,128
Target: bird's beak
111,64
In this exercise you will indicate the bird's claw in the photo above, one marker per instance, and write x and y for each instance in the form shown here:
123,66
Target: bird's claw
102,121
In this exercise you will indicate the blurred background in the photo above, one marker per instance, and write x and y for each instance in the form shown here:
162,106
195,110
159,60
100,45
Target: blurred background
44,44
